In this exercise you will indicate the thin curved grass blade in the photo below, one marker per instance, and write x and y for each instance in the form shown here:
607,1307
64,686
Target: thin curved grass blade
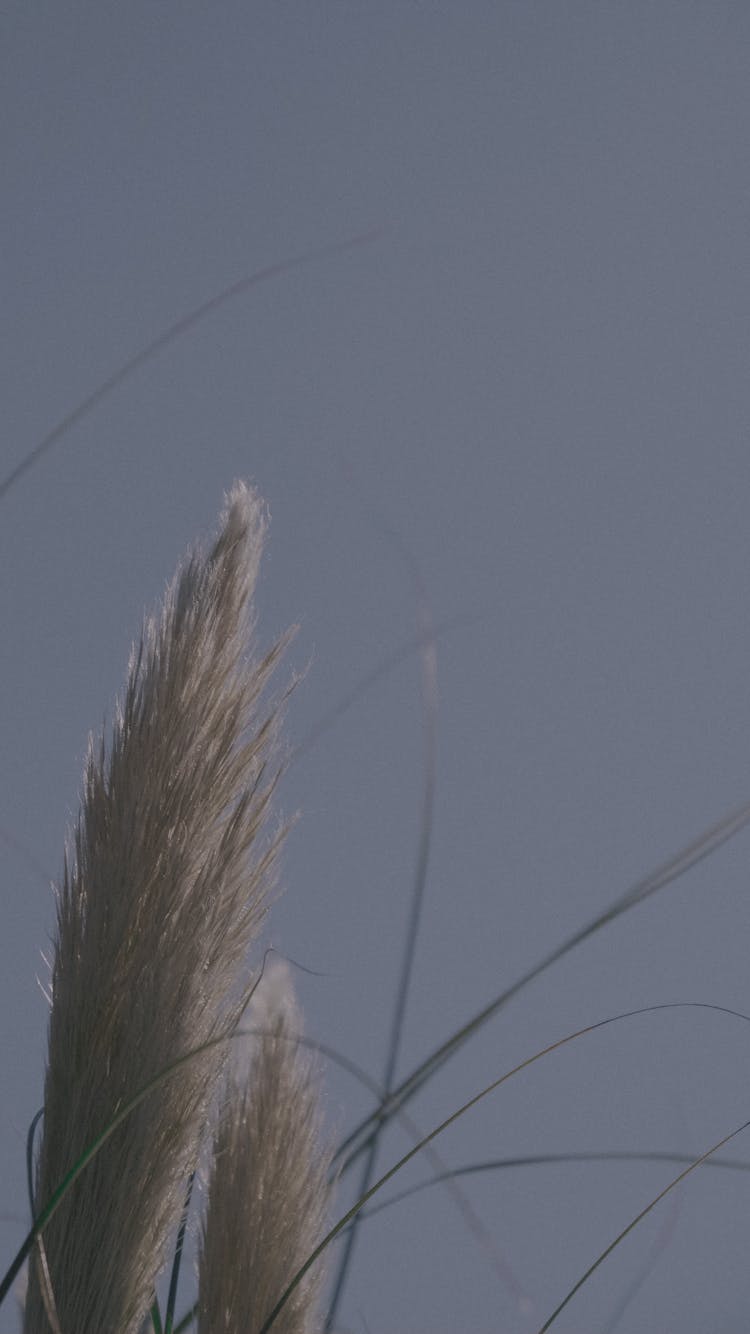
697,1162
550,1160
419,883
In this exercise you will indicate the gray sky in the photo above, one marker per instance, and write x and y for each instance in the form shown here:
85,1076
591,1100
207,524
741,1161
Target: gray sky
535,384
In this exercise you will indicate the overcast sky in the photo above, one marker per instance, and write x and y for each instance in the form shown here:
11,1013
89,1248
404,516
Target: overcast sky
528,396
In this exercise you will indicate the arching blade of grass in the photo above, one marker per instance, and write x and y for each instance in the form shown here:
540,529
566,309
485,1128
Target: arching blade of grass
556,1159
708,842
346,1218
30,1136
657,1247
638,1218
167,336
551,1160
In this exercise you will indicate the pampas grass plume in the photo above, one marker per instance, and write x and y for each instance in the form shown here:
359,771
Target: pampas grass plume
268,1191
164,889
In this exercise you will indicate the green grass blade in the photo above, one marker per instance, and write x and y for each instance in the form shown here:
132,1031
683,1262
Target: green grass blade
30,1136
177,1261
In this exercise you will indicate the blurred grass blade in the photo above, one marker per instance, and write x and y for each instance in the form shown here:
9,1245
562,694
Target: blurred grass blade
664,1238
167,336
430,705
388,663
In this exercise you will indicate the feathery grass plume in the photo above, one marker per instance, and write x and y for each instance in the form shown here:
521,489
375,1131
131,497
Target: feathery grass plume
167,886
268,1191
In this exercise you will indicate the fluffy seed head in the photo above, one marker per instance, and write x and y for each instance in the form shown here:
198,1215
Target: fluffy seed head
268,1191
165,886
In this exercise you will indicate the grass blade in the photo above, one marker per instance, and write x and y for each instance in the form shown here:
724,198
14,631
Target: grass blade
638,1218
